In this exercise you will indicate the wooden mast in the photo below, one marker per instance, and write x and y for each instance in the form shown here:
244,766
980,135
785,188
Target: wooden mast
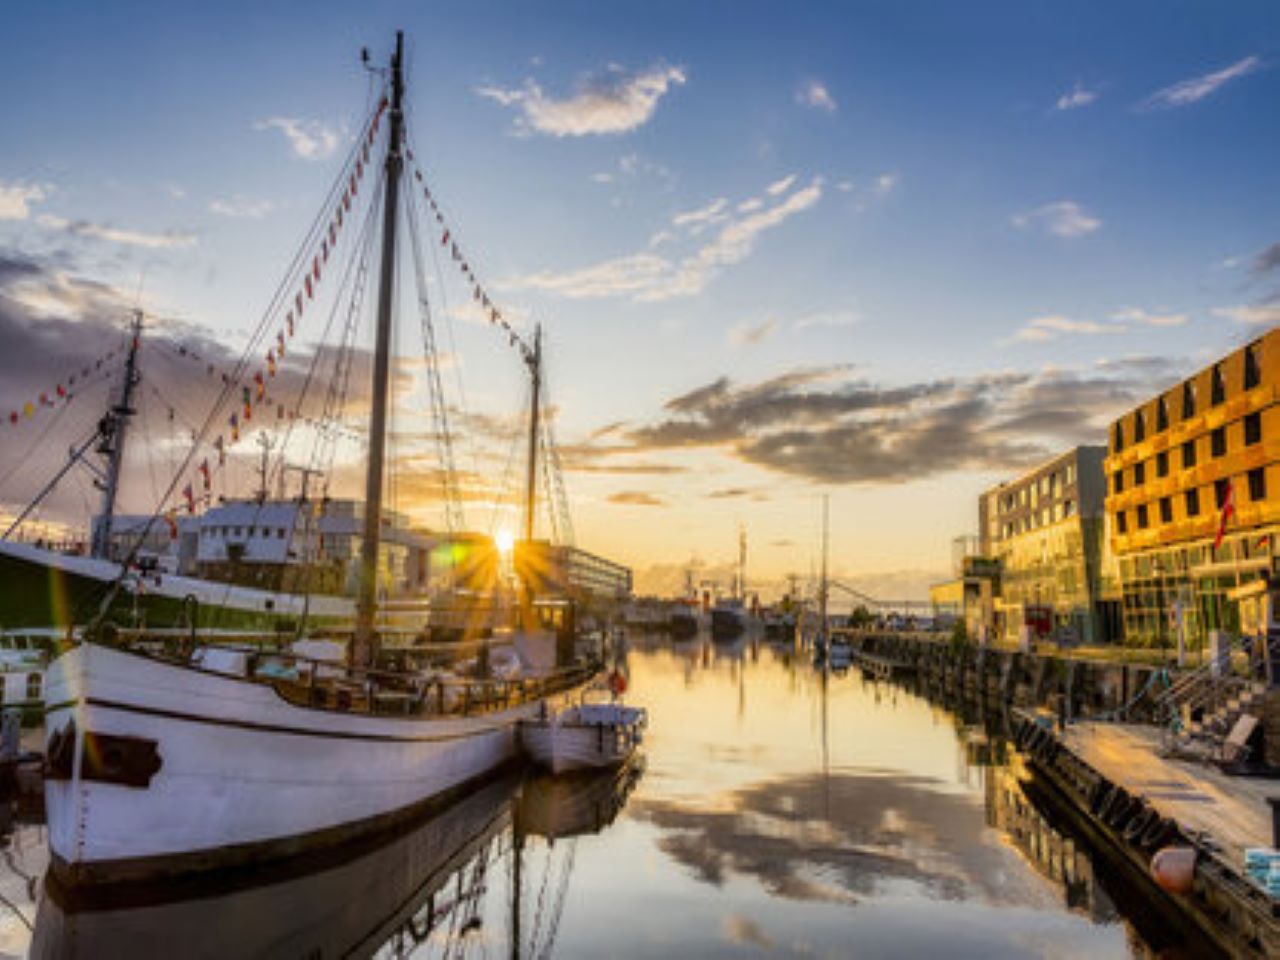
365,643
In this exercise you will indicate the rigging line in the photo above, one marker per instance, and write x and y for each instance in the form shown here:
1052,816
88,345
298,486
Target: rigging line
151,463
444,442
508,495
109,591
36,441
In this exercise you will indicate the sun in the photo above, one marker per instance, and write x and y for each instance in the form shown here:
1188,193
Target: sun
505,541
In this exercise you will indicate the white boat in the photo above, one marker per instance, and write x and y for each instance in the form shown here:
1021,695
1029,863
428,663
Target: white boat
158,768
585,736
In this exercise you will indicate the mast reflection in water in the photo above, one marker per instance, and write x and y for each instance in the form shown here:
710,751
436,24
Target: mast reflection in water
779,812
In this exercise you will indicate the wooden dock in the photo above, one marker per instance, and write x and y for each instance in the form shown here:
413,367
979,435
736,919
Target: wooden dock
1232,810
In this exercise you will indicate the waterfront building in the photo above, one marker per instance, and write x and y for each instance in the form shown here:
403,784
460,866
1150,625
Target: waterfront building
970,594
564,572
1199,458
1046,530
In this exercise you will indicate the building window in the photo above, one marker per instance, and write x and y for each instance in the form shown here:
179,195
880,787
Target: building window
1162,463
1139,474
1117,482
1252,375
1218,387
1193,503
1069,507
1122,523
1188,400
1218,442
1142,516
1117,440
1162,415
1220,488
1166,510
1139,427
1257,484
1252,429
1188,454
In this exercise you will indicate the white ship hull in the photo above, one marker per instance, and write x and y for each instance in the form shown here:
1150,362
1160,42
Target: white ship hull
584,738
226,772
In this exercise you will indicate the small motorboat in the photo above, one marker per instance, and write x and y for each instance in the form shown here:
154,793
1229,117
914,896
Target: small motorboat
585,736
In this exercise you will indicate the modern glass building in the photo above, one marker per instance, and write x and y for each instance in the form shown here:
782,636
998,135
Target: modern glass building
1201,457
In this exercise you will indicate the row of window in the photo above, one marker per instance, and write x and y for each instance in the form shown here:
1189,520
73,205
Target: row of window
1143,515
1041,518
264,532
1045,486
1217,448
1217,395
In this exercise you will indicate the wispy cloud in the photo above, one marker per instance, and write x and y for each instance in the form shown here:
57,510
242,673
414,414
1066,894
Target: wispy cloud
780,186
815,94
16,199
886,183
1195,89
308,139
649,276
168,240
1140,317
1078,96
613,101
636,498
240,208
749,335
1266,262
1054,325
1062,218
1255,315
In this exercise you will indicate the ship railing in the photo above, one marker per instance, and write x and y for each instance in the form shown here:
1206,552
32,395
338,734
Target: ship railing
327,684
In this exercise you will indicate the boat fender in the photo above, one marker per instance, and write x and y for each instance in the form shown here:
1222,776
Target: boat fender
1174,869
1139,822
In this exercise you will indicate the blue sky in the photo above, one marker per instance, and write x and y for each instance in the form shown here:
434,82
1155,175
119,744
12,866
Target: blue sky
1072,198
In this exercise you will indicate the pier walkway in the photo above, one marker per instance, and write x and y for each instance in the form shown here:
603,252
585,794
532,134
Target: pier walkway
1232,810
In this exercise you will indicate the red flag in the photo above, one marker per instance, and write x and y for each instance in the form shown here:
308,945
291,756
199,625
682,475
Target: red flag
173,525
262,386
191,498
1228,507
308,286
315,267
444,241
289,323
204,473
13,417
62,391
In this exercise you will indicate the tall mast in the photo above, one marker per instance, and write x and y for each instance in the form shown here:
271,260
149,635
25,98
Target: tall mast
742,563
531,480
824,589
112,431
364,645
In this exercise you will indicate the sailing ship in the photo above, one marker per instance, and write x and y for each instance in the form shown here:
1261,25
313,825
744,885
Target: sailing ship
170,758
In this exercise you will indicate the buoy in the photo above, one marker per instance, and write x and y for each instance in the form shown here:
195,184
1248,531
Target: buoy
1174,869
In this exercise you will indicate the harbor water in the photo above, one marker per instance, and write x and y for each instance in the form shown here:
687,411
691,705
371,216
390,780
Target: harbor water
775,811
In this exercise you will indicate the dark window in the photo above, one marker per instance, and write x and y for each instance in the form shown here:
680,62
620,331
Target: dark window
1218,442
1220,488
1252,429
1139,426
1122,523
1193,503
1188,454
1188,400
1118,438
1218,388
1117,482
1139,474
1162,463
1257,484
1166,510
1252,375
1162,415
1142,517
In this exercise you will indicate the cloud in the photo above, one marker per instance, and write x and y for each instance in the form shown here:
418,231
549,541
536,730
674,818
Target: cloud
1054,325
827,318
820,425
1077,97
815,94
1195,89
1260,314
711,213
746,932
308,139
747,335
240,208
1266,261
749,205
780,186
886,182
1141,317
635,498
613,101
1062,218
649,276
169,240
16,199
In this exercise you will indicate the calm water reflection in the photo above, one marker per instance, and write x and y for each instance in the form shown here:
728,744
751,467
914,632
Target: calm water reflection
775,813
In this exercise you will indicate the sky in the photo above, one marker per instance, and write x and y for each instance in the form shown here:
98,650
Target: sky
887,253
